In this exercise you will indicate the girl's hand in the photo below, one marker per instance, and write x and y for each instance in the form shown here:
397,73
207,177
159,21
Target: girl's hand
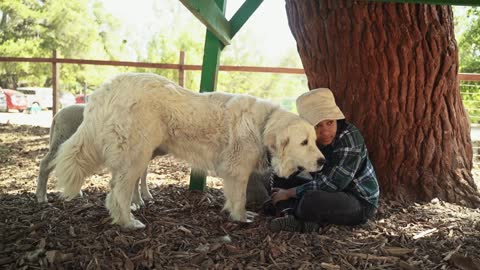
280,194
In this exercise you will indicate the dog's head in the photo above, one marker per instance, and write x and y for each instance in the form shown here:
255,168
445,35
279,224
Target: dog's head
293,148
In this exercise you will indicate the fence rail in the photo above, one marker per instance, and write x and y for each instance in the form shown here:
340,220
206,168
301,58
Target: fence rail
470,92
150,65
182,67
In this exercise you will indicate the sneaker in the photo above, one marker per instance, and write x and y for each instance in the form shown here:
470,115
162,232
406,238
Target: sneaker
291,224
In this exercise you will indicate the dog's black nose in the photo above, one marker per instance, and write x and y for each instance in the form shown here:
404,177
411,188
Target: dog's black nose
320,162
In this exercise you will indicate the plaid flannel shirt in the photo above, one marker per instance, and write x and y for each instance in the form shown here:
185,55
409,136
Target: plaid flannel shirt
347,167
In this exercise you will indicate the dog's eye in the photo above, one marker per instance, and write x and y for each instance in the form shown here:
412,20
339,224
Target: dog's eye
305,142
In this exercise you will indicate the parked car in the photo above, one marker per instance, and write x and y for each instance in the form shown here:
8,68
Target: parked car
3,102
15,100
38,96
43,97
81,99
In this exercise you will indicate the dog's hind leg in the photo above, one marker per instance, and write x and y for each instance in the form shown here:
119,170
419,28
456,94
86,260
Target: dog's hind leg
123,183
146,195
141,193
42,179
137,200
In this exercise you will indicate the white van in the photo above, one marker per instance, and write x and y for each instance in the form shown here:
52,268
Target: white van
41,95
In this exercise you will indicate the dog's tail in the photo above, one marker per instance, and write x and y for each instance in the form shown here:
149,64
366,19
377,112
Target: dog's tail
76,159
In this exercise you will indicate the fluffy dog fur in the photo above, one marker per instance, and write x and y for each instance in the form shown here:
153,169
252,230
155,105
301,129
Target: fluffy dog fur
230,135
64,124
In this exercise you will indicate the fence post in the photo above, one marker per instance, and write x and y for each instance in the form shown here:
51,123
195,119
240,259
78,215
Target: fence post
55,81
84,92
181,69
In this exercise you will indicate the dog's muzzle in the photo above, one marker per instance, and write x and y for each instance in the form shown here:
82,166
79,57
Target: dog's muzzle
320,163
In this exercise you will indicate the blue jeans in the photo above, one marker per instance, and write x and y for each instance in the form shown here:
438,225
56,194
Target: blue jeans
341,208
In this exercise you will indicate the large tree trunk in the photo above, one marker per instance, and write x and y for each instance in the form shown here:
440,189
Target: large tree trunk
393,69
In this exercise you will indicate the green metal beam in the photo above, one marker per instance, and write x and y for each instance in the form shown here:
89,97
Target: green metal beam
435,2
211,62
208,83
209,13
242,15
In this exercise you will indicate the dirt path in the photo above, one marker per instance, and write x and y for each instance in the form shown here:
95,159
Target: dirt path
41,119
186,230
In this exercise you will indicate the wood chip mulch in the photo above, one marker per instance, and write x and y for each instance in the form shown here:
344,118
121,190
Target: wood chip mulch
186,229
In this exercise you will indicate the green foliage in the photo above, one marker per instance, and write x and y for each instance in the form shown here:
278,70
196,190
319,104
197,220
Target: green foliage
467,25
33,28
83,29
469,42
470,92
280,88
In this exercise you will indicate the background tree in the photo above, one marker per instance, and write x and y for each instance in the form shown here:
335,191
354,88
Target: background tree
35,28
469,43
467,29
393,69
18,36
84,29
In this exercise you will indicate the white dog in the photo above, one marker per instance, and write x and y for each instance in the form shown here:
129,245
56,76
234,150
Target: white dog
130,116
64,124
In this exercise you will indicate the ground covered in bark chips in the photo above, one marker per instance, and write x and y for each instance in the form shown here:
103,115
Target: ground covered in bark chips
186,230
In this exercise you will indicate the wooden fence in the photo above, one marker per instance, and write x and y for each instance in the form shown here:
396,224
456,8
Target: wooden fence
181,67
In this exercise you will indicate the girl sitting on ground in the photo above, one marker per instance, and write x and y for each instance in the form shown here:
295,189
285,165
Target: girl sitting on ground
345,191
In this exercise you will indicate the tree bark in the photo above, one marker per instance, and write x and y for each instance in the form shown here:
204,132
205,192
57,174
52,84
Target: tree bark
393,69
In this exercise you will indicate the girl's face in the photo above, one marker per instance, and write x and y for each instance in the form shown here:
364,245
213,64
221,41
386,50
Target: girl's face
326,131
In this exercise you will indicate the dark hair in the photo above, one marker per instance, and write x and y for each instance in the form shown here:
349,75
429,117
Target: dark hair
341,124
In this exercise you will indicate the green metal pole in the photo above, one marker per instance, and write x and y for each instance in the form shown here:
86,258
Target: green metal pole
208,83
242,15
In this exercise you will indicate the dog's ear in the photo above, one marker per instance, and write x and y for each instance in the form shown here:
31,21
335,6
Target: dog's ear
271,142
276,143
283,142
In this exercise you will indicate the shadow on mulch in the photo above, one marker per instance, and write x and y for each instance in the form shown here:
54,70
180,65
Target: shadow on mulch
186,229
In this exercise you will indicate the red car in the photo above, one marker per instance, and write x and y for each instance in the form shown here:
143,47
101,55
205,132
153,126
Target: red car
81,99
15,100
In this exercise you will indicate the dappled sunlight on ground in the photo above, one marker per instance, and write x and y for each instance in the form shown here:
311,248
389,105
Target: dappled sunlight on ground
187,230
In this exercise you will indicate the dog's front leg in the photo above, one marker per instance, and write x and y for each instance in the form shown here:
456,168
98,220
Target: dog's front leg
235,189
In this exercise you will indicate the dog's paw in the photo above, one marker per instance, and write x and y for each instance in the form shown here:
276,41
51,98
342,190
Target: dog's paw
134,207
238,216
247,217
250,216
42,198
134,224
137,204
147,196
